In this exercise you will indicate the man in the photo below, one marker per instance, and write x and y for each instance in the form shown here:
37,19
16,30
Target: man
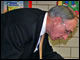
21,30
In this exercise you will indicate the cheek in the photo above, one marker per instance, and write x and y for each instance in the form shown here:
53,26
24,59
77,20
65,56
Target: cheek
57,33
59,30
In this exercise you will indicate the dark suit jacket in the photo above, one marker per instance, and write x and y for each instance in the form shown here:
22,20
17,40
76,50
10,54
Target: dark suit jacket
20,31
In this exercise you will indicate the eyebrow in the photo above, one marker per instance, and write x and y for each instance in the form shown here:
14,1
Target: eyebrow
68,30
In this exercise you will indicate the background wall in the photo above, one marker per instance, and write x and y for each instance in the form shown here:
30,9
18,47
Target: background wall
69,48
2,6
25,4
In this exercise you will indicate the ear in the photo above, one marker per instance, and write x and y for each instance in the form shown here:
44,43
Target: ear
57,20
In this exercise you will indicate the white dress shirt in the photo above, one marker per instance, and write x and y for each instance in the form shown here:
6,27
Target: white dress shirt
43,30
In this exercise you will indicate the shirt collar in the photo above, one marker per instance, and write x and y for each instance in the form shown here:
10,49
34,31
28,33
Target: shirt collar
43,30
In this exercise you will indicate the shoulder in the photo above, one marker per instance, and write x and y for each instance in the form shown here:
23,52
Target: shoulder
24,10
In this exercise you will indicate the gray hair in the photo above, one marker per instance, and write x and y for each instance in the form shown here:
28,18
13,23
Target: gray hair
62,11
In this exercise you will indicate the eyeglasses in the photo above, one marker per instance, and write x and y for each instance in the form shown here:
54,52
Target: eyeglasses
68,32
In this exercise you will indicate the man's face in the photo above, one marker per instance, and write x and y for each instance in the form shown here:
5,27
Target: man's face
63,30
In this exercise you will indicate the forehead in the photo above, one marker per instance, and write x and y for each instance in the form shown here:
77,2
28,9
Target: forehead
71,21
71,24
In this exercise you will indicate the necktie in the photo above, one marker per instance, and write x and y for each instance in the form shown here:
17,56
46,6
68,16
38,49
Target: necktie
40,46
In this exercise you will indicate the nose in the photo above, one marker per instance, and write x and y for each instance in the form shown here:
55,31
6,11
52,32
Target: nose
65,36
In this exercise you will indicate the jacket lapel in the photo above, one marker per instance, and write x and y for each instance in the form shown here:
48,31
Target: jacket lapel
38,27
